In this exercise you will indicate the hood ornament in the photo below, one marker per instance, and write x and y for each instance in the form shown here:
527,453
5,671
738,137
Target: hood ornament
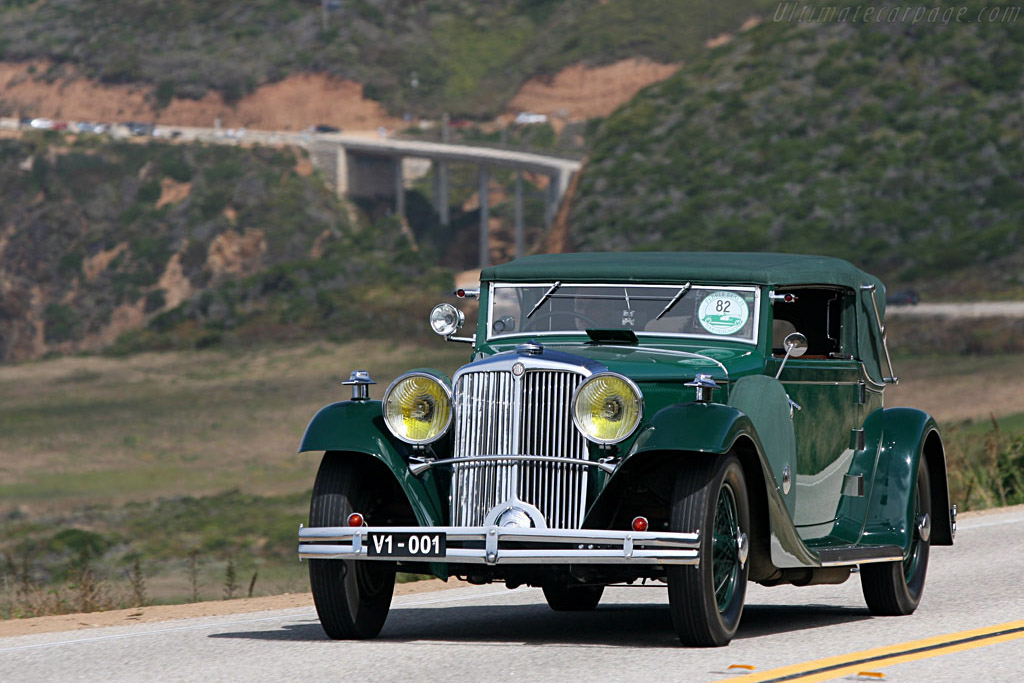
530,348
704,384
360,382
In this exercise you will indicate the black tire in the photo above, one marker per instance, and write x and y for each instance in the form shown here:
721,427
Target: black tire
706,608
563,598
352,598
895,588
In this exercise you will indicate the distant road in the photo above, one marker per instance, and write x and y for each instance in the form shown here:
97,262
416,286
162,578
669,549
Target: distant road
975,309
364,141
968,628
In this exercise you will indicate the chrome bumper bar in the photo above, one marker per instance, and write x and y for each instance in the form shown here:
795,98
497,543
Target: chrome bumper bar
493,545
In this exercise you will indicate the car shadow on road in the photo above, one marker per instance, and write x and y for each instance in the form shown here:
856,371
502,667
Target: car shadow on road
610,625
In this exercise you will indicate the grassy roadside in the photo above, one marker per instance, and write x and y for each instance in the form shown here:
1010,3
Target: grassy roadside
163,477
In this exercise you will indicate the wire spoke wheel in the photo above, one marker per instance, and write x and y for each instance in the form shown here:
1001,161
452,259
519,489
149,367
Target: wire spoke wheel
725,556
706,600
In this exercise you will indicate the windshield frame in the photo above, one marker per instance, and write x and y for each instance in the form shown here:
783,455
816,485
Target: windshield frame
670,289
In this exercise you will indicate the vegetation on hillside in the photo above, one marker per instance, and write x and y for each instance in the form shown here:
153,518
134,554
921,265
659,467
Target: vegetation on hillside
199,243
896,145
463,56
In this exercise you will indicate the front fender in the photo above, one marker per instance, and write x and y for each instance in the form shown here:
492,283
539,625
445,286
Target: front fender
695,427
358,427
907,436
686,428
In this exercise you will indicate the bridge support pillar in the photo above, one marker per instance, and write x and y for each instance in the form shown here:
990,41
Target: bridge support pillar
485,217
341,171
441,192
558,183
519,214
399,189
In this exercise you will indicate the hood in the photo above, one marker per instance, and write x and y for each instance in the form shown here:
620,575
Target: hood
643,364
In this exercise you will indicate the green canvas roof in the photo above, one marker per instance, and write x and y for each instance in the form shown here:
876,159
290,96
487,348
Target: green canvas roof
712,267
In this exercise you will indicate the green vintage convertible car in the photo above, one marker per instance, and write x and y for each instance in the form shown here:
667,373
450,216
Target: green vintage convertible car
697,419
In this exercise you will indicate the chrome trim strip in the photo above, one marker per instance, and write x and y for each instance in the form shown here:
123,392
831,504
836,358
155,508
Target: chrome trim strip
418,467
872,384
551,359
835,557
821,382
630,547
892,378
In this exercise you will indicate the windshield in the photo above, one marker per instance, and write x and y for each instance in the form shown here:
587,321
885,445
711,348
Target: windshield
683,310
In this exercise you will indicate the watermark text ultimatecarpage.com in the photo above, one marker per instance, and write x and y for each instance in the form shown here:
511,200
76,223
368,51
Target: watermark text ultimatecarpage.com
807,13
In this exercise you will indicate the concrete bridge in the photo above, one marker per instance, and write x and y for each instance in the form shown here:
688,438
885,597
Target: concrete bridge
366,168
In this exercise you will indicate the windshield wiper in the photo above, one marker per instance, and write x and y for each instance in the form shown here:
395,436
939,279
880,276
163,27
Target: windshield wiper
679,295
544,298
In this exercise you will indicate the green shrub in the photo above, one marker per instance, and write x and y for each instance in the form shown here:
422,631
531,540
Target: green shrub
61,324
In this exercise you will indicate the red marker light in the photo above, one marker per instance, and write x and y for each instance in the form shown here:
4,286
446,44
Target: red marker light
356,519
461,293
639,524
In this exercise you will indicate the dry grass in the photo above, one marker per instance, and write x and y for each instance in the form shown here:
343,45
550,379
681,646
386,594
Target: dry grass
88,430
958,388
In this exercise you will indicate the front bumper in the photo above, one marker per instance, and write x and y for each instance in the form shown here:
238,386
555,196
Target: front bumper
494,545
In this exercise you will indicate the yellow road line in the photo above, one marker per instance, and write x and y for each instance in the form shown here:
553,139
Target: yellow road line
833,667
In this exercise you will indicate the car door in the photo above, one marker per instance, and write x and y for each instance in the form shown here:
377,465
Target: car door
834,461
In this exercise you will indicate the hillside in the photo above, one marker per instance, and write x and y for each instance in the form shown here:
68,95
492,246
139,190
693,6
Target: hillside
896,145
466,57
162,245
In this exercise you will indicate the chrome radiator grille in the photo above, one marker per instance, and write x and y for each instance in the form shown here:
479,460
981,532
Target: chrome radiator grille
499,414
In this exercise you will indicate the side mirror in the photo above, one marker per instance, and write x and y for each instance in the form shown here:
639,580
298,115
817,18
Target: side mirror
795,345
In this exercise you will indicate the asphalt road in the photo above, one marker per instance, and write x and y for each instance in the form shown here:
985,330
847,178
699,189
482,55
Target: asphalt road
488,633
971,309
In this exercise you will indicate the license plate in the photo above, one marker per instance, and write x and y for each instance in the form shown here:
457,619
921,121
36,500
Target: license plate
405,545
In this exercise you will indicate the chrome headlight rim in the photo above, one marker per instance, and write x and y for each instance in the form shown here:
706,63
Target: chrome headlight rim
458,319
633,387
448,396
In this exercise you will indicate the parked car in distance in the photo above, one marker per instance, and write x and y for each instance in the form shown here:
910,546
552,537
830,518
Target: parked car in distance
138,128
41,123
689,420
325,128
903,297
526,118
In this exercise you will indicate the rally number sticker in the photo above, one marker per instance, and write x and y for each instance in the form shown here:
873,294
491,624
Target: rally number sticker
723,313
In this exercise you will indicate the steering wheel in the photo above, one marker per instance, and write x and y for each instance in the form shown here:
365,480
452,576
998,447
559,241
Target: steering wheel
532,323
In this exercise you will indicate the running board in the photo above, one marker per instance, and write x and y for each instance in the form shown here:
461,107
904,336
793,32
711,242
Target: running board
858,554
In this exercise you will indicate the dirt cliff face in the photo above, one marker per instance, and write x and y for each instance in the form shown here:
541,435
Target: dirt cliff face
293,104
99,238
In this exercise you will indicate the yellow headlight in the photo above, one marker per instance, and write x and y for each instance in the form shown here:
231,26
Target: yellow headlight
607,408
417,408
